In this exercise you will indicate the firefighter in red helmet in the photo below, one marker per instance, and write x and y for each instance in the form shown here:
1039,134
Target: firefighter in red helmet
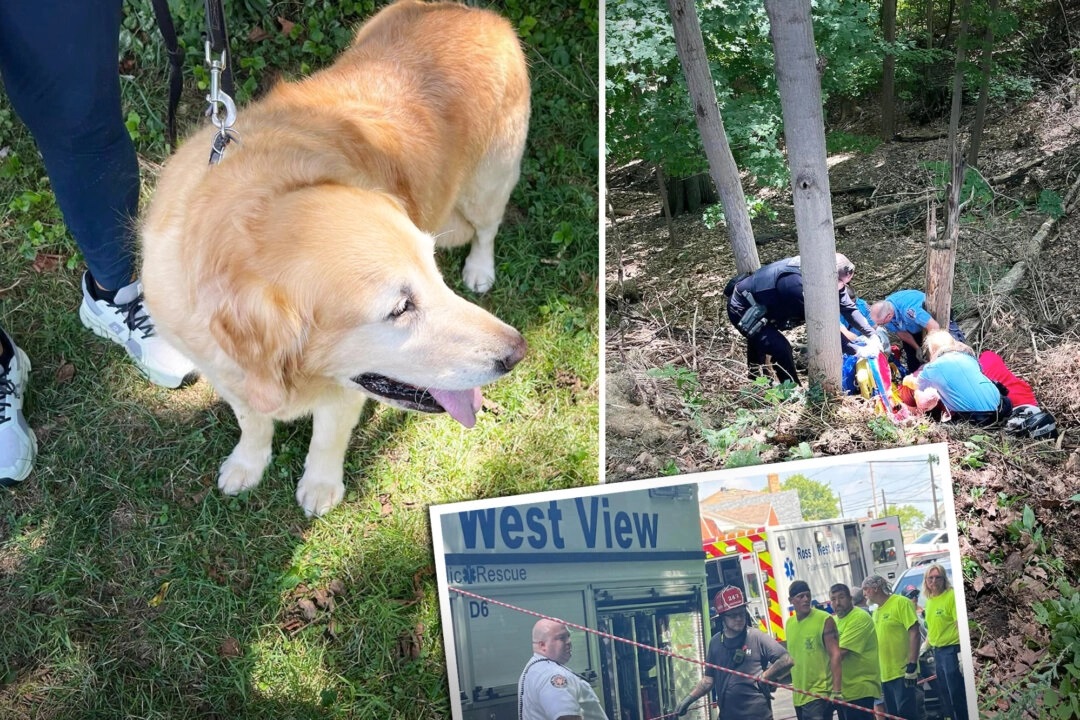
738,646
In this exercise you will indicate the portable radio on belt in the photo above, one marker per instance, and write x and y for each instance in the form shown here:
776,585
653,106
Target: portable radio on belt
754,318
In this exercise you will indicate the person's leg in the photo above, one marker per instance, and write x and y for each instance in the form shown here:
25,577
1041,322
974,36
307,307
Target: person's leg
947,663
814,710
908,706
755,354
773,342
994,367
891,691
59,60
848,713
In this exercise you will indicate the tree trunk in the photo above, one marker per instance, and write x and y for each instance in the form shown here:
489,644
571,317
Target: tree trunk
722,168
661,185
888,80
984,87
792,34
941,259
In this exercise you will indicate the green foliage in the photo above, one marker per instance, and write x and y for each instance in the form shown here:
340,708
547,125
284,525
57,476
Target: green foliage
817,499
976,193
911,517
36,220
745,457
975,452
713,216
802,451
1061,616
838,142
884,429
649,111
970,567
686,382
1050,203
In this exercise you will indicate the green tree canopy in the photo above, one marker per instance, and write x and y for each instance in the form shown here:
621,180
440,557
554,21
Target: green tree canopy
817,499
912,519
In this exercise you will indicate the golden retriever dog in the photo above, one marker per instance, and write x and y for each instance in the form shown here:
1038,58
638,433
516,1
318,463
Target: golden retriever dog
299,274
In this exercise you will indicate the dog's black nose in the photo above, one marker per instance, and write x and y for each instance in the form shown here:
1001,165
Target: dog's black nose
517,352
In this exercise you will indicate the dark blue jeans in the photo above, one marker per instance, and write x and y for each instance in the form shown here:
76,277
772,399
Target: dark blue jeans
900,699
59,64
846,713
951,681
814,710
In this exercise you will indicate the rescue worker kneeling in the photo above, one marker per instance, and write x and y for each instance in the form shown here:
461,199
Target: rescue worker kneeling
953,377
747,650
770,300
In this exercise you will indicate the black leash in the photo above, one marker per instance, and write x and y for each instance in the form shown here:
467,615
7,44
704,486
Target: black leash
221,78
218,38
176,61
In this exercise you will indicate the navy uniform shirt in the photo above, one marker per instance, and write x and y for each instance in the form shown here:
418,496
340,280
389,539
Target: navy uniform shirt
779,287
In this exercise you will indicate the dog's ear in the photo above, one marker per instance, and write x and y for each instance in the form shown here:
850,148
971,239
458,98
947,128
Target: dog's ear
263,332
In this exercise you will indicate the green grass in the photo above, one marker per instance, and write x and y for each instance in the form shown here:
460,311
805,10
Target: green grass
123,497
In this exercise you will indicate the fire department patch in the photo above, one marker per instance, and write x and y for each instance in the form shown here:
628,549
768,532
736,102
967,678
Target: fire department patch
911,313
558,681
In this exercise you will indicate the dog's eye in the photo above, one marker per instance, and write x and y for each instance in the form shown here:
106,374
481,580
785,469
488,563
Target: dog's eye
403,307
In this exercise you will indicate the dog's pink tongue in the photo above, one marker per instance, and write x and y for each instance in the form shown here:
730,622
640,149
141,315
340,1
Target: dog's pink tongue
460,404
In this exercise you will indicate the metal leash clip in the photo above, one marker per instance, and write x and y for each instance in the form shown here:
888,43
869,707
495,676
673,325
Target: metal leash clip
219,100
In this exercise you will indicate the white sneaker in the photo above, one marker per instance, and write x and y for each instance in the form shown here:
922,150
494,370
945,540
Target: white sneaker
125,322
18,445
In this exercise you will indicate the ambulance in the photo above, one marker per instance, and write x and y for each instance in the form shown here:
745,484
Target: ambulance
765,561
626,563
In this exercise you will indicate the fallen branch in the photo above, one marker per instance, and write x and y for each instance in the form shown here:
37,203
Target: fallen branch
903,204
875,212
1033,248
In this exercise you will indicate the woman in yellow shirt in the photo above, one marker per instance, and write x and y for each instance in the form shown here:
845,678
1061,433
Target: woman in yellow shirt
943,635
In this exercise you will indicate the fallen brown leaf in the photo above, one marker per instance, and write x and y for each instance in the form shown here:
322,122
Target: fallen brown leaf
286,25
324,600
230,648
46,262
307,608
65,373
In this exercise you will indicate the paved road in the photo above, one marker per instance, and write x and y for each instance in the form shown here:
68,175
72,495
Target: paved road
782,708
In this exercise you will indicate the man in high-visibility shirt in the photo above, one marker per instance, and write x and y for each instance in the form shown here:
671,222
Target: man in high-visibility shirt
813,643
859,652
898,638
943,635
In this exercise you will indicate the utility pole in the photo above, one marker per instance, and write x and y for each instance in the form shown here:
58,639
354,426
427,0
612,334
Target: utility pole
873,488
933,494
884,505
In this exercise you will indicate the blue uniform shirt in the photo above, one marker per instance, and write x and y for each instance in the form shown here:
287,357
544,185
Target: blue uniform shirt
960,383
911,315
862,307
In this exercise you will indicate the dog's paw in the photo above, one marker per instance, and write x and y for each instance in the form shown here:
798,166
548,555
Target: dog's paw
239,474
319,497
478,276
